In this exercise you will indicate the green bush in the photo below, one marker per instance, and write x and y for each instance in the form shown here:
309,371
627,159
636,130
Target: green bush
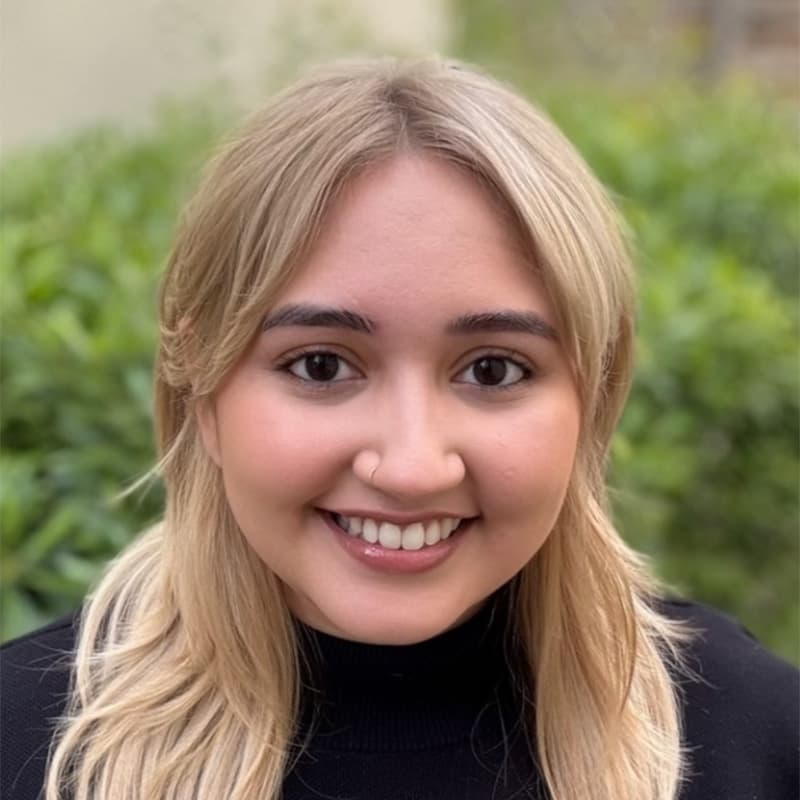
86,226
705,463
706,460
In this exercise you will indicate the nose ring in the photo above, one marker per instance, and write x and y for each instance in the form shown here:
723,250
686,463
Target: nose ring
372,474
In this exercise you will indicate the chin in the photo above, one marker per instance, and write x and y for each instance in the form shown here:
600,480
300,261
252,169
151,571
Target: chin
392,635
400,631
384,619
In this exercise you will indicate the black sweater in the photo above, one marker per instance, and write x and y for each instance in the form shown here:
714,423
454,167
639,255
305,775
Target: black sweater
440,720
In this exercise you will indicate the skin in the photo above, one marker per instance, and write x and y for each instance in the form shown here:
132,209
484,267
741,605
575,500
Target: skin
411,245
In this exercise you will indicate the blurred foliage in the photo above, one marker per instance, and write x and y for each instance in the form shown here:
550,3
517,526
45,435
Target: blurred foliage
706,462
86,226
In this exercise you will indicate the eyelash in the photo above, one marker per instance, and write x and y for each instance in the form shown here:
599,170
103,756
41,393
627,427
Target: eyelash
528,372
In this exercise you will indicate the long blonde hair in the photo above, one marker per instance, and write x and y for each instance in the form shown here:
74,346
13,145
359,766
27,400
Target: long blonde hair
186,682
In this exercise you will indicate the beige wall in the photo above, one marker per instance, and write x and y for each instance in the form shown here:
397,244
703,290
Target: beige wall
68,63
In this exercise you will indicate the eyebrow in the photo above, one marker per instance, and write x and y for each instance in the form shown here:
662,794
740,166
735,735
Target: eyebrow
504,322
501,321
311,316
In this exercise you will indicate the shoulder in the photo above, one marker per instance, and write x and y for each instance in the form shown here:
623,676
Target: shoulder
740,710
724,659
34,684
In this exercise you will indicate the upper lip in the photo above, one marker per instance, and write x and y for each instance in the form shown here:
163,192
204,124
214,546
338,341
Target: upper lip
397,517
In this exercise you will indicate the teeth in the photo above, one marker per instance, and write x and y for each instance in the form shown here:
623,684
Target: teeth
369,531
390,536
414,537
433,532
395,537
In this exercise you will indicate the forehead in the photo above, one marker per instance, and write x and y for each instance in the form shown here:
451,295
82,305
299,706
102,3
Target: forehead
416,234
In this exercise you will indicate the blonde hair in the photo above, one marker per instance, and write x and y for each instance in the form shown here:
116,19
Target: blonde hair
173,695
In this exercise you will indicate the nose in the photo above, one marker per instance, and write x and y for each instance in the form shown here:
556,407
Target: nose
412,449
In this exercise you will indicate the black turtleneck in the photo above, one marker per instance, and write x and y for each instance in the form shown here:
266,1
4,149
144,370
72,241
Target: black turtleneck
440,720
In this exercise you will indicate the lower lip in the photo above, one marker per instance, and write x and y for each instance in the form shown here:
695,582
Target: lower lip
396,561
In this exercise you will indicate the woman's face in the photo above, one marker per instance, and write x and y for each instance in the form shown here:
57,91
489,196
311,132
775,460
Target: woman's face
410,378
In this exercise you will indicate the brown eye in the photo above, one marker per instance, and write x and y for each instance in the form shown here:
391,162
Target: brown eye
495,372
490,371
321,367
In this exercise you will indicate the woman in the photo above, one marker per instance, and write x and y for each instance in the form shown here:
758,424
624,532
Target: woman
396,335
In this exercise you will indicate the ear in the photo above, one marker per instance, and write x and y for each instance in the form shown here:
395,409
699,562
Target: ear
206,416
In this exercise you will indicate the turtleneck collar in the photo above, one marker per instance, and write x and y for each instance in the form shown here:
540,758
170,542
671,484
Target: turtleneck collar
405,697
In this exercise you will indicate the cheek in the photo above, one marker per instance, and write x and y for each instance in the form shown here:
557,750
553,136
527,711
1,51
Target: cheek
275,447
528,467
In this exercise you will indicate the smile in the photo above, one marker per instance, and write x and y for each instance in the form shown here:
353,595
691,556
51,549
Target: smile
415,536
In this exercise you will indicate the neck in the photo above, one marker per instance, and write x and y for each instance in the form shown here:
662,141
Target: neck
381,697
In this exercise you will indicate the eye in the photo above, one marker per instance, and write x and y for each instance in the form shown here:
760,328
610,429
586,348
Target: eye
320,367
495,372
